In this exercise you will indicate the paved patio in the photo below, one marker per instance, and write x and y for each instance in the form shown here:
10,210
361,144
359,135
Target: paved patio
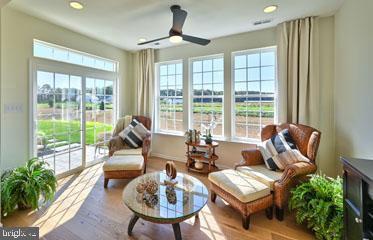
62,161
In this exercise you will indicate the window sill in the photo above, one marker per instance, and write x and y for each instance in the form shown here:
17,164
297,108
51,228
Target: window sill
175,134
246,141
218,139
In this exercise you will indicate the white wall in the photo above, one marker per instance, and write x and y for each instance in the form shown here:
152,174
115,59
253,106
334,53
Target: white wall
17,33
326,156
230,153
353,79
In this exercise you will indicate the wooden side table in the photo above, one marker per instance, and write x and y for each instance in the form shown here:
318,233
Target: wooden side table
207,156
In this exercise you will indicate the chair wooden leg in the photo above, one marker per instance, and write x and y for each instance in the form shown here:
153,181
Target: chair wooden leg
246,222
106,181
279,213
145,162
269,212
213,196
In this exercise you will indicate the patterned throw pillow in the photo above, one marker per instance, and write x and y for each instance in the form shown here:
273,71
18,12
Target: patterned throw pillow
134,134
280,150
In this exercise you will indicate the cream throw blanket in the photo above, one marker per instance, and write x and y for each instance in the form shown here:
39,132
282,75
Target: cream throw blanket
122,123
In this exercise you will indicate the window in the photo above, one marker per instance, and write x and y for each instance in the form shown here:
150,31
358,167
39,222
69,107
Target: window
62,54
207,80
254,84
170,96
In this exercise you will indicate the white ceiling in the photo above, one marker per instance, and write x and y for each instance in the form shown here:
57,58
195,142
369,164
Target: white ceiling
122,22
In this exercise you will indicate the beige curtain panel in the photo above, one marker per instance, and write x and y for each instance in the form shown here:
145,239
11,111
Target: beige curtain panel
298,71
144,64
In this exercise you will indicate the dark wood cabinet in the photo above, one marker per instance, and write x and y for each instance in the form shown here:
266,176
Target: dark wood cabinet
358,198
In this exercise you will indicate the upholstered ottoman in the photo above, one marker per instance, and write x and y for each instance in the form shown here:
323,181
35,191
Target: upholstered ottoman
122,167
242,192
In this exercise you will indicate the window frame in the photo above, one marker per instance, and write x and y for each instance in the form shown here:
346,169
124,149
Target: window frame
69,51
233,136
191,92
157,97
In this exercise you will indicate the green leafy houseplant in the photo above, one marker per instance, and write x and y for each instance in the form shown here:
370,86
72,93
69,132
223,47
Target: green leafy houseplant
319,202
24,186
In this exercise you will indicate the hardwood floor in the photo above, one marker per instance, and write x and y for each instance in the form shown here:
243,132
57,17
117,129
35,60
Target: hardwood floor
83,209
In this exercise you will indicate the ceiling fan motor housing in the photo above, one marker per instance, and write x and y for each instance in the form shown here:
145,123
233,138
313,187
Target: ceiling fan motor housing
175,33
175,7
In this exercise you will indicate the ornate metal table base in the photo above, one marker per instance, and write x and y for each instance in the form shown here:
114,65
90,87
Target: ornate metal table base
134,218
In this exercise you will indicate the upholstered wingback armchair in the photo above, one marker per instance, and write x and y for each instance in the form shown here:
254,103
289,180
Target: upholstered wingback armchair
117,145
307,140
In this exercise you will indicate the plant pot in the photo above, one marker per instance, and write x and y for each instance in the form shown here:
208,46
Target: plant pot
21,206
208,140
198,165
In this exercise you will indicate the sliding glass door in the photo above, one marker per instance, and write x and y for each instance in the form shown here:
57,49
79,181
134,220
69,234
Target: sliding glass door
99,116
73,116
59,120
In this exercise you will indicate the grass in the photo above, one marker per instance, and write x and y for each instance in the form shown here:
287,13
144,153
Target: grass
60,129
75,105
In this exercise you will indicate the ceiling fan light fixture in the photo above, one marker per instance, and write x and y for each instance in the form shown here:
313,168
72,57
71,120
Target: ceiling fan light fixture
76,5
141,40
270,8
176,39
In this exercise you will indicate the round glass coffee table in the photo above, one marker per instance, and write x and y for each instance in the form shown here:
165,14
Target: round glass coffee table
169,205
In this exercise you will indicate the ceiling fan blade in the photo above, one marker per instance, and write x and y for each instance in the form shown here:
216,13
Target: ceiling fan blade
154,40
200,41
179,17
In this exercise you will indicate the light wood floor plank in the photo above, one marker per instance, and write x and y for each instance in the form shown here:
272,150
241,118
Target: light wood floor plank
83,209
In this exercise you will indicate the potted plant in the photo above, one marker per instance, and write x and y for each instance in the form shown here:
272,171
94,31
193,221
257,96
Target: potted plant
24,186
319,203
208,128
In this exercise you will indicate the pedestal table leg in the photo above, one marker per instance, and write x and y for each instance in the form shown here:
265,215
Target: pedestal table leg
177,233
132,224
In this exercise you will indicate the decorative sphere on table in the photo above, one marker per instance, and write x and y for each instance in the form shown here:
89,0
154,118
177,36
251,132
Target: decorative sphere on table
151,187
140,188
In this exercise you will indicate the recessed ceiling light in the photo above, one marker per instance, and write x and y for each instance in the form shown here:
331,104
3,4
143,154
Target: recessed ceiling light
142,40
270,9
76,5
176,39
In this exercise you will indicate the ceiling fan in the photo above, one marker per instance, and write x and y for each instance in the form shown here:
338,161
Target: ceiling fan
176,34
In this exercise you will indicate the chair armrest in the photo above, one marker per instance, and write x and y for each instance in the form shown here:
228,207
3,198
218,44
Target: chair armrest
251,157
296,170
146,145
115,144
